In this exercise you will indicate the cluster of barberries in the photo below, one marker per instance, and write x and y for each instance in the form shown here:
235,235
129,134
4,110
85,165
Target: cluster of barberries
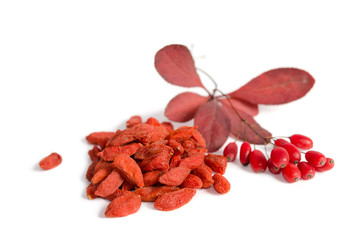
285,158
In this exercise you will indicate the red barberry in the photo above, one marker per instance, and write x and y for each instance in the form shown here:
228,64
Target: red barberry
273,169
315,158
279,157
230,151
327,166
291,173
294,153
280,142
301,141
307,171
257,161
245,150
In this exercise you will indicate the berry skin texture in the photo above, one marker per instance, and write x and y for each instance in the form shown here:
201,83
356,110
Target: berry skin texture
291,173
173,200
301,141
127,203
245,150
273,169
51,161
294,153
315,158
279,157
306,170
327,166
230,151
257,161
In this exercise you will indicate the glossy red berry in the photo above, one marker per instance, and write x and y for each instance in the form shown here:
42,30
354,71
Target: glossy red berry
280,142
315,158
294,153
301,141
306,170
273,169
327,166
257,161
230,151
291,173
279,157
245,150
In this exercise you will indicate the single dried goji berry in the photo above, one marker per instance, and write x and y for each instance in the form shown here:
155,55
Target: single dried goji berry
196,135
90,191
217,163
133,121
109,152
221,184
93,153
175,176
173,200
151,193
153,121
101,174
123,205
175,161
204,172
110,184
159,133
168,126
100,138
182,133
158,162
188,145
151,150
192,162
192,181
129,169
176,146
51,161
151,178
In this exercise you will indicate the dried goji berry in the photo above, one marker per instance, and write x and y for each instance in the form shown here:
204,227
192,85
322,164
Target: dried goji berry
221,184
93,153
192,162
151,178
110,184
133,121
123,205
158,162
204,172
109,152
173,200
150,194
101,174
91,191
196,135
175,176
217,163
51,161
168,126
175,161
100,138
176,146
129,169
192,181
153,121
131,134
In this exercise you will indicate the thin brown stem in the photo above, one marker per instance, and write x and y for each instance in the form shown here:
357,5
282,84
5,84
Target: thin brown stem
241,118
213,81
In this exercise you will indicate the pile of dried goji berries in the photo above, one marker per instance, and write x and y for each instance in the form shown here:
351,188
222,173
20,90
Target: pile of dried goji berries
151,162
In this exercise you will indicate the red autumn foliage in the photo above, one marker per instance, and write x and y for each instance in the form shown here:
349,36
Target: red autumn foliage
218,116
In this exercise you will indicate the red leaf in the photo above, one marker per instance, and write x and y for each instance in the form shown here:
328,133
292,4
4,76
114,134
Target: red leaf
276,86
251,132
213,123
243,106
176,65
183,107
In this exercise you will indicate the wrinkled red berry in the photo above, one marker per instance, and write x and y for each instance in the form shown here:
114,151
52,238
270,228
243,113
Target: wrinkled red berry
307,171
291,173
230,151
245,150
51,161
294,153
279,157
327,166
257,161
315,158
273,169
301,141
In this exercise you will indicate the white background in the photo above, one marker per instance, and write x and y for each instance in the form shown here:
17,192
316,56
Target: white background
68,68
